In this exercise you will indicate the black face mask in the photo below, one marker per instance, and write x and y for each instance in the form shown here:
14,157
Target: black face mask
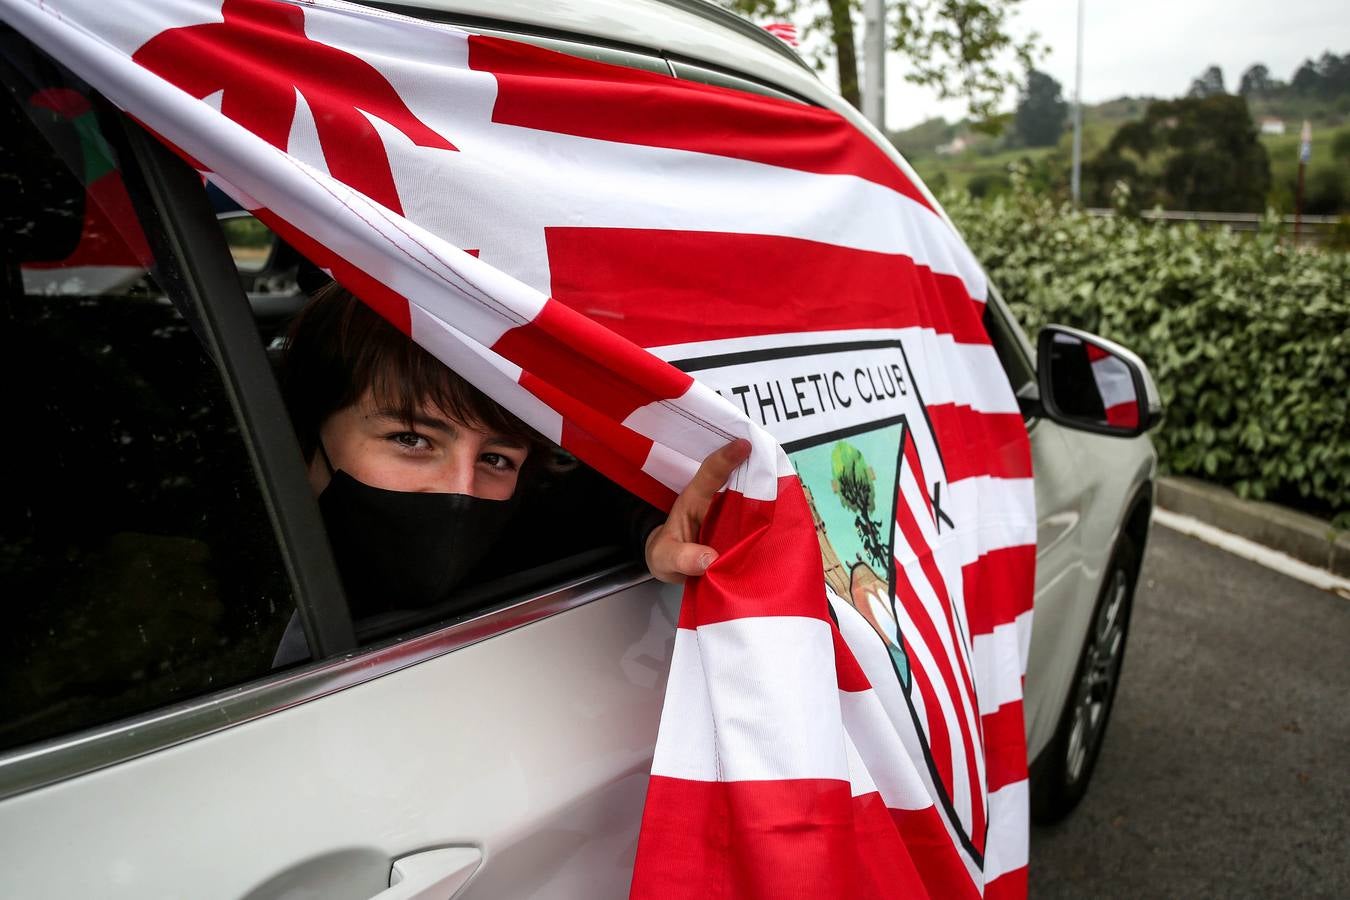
402,549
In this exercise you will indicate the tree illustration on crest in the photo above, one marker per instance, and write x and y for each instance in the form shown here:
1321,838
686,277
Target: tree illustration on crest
854,483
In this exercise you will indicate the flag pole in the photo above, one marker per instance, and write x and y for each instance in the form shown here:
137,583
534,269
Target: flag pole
1304,154
1077,177
874,63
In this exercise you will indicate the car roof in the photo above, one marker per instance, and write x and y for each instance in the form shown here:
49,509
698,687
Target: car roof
695,31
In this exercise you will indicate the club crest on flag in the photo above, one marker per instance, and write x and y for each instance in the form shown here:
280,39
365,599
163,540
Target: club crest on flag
852,421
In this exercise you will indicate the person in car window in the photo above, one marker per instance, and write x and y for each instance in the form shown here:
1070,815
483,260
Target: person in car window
418,473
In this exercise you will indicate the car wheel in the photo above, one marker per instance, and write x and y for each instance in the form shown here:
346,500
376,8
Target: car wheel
1059,779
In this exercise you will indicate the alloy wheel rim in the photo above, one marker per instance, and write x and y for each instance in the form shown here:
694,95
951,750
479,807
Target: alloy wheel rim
1101,669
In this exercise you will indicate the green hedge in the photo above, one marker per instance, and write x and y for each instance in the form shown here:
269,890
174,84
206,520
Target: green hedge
1248,339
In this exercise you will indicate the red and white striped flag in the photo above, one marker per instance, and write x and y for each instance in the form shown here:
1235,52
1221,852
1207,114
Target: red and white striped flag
1115,385
658,267
784,31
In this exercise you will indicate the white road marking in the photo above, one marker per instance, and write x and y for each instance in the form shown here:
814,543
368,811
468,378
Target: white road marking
1261,555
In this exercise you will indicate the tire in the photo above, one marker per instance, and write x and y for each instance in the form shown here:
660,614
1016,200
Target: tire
1060,776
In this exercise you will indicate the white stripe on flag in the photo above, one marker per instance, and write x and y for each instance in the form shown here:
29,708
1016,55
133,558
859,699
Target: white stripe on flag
493,374
998,664
859,779
1114,381
894,776
615,185
1009,831
1002,507
923,661
684,441
954,645
770,670
876,664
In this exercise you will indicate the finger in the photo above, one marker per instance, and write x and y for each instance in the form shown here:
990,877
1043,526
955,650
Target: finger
715,471
688,559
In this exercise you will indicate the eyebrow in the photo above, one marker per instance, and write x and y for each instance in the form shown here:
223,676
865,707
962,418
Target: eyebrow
445,425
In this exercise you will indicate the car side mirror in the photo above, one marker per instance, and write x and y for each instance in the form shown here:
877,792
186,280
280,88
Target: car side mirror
1092,384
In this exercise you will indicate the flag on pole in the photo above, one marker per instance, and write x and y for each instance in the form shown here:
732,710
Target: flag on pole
1305,142
660,267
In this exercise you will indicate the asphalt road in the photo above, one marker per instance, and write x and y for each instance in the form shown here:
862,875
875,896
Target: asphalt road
1226,767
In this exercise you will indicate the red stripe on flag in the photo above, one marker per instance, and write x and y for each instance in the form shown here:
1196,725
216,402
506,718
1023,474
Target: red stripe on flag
961,702
747,534
850,674
939,740
1123,415
608,373
911,452
999,587
913,537
963,697
886,868
601,456
551,91
935,856
1008,886
1005,746
928,631
772,839
980,443
661,287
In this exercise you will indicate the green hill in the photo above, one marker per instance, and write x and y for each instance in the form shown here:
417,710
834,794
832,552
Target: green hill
980,161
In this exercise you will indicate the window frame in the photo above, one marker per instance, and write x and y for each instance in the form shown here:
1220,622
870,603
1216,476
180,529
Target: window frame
172,196
1010,341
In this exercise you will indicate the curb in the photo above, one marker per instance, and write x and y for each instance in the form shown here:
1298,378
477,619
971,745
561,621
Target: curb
1304,537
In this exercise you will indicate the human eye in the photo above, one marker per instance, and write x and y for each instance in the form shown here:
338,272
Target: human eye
498,461
409,441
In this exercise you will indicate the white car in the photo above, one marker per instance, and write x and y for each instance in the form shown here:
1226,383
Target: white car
158,534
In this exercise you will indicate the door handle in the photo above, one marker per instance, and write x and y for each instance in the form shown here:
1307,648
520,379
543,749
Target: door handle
431,874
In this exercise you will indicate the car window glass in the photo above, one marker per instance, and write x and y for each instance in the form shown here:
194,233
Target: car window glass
705,75
249,241
138,564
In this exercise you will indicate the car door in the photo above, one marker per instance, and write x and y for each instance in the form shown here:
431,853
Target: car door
1089,488
160,536
1061,583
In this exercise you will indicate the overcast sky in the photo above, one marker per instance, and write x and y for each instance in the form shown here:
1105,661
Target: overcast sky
1154,47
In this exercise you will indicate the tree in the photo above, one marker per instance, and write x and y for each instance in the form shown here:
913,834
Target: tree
958,48
1041,111
1307,80
855,484
1335,72
1196,153
1209,84
1256,82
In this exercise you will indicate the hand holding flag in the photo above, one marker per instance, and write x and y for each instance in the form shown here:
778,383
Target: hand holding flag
672,550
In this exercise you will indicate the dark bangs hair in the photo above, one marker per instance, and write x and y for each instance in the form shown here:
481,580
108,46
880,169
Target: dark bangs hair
337,348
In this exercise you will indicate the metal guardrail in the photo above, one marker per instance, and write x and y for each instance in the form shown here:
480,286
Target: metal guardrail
1313,229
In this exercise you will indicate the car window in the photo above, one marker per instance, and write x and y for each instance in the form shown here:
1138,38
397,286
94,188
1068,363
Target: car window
569,522
707,75
138,564
1010,348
